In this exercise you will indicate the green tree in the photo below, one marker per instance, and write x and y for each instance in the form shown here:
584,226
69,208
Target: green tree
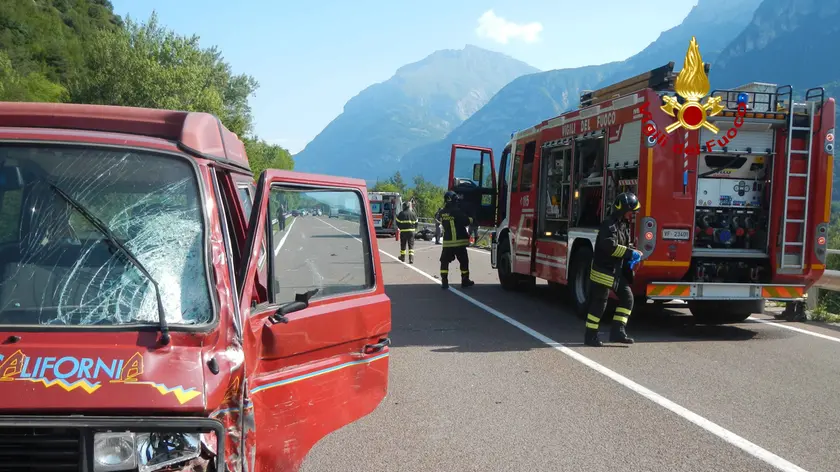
386,186
397,181
30,87
262,156
147,65
831,300
427,197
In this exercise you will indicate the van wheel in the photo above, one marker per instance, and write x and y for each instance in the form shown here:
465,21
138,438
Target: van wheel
721,312
578,283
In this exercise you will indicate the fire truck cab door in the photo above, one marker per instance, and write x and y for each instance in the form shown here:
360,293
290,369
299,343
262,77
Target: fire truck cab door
472,175
317,351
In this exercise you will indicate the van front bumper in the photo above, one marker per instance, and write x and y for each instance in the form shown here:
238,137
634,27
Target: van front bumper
67,442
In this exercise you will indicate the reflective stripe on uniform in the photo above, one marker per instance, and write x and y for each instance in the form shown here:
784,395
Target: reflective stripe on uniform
456,243
619,251
620,319
601,278
592,321
623,310
409,230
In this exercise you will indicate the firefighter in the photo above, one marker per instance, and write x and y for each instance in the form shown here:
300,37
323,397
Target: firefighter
455,240
407,224
612,269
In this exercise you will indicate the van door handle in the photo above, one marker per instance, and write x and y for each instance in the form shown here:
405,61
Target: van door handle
374,348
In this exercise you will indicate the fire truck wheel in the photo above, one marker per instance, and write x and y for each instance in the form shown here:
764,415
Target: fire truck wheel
508,279
578,282
717,313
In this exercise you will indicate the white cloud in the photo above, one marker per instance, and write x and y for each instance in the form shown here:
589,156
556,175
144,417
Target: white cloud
502,31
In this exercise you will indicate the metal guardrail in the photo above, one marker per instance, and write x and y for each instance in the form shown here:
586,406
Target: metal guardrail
831,278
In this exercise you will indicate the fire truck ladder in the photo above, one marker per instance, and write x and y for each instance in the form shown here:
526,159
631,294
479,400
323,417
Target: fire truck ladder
790,261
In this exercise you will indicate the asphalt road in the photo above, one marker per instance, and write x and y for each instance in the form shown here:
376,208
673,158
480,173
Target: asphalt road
488,380
312,254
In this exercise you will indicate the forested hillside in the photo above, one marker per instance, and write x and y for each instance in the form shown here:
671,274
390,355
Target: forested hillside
79,51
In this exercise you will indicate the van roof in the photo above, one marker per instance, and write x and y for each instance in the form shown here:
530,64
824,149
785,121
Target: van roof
202,134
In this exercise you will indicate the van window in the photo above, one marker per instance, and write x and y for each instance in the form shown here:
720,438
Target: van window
247,201
10,201
316,252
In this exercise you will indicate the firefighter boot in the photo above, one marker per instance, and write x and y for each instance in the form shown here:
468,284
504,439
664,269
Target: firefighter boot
618,334
466,282
591,338
402,257
411,258
444,281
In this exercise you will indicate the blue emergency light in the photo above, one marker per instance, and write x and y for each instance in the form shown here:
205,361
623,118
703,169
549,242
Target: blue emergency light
725,235
743,97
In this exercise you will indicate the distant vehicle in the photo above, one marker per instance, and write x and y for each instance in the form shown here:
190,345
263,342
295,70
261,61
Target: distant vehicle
295,213
333,212
318,212
384,207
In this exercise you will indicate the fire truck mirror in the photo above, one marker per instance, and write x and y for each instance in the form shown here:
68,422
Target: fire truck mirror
477,171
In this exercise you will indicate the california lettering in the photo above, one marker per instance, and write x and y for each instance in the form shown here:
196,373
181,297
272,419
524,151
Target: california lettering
87,374
69,368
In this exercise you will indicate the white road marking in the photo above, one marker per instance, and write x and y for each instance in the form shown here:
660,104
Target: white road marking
719,431
793,328
283,239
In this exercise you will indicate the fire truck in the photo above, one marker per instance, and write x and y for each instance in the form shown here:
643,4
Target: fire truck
384,207
725,223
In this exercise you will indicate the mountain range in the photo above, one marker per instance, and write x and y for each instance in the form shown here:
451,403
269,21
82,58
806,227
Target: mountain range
420,104
775,41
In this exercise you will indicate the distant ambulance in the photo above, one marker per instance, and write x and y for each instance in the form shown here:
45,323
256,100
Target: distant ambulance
384,207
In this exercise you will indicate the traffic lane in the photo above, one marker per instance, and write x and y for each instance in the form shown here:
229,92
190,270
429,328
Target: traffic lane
310,254
774,387
468,392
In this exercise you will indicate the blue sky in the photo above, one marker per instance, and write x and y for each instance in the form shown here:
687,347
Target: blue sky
309,60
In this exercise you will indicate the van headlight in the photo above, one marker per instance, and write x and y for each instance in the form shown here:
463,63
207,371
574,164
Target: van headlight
143,452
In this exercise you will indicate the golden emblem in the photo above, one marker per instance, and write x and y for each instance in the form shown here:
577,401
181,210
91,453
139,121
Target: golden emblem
692,85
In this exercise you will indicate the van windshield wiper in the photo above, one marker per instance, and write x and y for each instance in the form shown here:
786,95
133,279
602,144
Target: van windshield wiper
115,242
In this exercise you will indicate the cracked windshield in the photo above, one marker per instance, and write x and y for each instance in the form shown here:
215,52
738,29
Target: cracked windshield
438,236
59,268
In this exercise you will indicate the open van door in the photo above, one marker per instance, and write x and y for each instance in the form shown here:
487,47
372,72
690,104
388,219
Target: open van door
317,351
472,174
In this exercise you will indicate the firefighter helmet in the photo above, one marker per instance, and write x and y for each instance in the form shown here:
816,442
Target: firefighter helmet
626,202
406,206
450,196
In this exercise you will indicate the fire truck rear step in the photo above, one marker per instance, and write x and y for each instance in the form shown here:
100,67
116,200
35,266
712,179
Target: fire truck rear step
723,291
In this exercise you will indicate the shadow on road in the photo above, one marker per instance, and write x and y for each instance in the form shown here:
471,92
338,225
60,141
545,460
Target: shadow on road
425,315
